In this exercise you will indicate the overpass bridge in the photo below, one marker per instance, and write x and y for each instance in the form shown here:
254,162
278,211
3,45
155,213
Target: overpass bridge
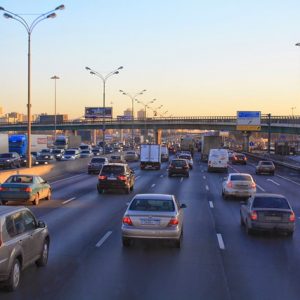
274,124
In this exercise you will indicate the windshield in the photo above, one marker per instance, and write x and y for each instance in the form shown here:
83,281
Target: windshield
5,155
270,202
98,160
70,152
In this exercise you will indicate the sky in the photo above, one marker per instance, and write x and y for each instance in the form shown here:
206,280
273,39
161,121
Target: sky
196,57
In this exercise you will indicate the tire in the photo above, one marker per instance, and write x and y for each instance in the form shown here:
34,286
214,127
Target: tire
100,191
132,188
273,173
49,195
224,196
36,200
169,175
249,231
89,172
14,276
127,190
43,260
242,221
126,242
178,242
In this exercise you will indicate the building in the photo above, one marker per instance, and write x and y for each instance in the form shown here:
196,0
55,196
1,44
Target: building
1,111
128,113
141,114
50,119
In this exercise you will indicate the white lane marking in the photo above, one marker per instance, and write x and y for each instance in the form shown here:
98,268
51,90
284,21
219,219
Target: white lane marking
207,188
211,205
153,185
290,180
67,178
204,177
161,176
181,179
220,241
67,201
234,169
137,177
3,260
103,239
271,180
262,189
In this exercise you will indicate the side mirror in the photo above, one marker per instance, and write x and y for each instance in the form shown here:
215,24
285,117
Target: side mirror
183,205
41,224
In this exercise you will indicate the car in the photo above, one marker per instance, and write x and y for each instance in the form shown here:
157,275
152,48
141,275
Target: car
45,156
58,153
217,160
23,159
239,158
230,154
108,149
97,151
116,176
24,241
178,166
70,154
189,159
268,212
96,163
265,167
153,216
23,187
117,158
131,156
238,185
10,160
86,153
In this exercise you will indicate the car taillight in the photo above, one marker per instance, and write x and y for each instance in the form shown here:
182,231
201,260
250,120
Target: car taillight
122,177
127,220
235,158
27,190
102,177
229,184
173,222
253,215
186,167
209,162
253,185
245,158
3,189
292,217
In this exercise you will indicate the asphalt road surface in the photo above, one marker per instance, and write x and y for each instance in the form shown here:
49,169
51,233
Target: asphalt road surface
217,260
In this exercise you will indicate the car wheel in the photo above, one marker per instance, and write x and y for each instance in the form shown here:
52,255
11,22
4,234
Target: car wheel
14,276
100,191
42,261
224,196
89,172
49,195
126,242
178,242
131,188
188,175
242,221
249,231
36,200
273,173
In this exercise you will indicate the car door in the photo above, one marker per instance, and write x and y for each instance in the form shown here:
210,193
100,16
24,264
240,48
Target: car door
41,187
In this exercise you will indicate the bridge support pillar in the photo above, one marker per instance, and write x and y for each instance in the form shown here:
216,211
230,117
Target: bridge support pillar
94,136
246,136
157,136
74,132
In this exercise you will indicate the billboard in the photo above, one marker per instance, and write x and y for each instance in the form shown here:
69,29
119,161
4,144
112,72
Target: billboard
248,120
98,112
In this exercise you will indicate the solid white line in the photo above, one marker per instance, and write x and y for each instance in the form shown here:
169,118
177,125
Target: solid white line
211,205
207,188
181,179
103,239
290,180
137,177
153,185
273,181
260,188
204,177
67,178
161,176
67,201
220,241
3,260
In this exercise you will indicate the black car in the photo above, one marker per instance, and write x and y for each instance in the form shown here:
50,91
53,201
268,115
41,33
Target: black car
179,166
96,164
116,176
239,158
24,160
10,160
58,153
97,151
45,157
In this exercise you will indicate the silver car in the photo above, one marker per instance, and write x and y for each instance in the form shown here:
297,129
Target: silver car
270,212
153,216
238,185
23,241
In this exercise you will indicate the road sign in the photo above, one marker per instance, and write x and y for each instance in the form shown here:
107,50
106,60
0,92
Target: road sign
251,144
248,120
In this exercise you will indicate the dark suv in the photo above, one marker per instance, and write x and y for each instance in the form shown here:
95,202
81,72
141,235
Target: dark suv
10,160
116,176
179,167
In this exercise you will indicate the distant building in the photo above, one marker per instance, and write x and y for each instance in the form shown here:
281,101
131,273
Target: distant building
141,114
128,112
50,119
1,111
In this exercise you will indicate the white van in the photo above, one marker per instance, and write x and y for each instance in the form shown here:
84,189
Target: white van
218,160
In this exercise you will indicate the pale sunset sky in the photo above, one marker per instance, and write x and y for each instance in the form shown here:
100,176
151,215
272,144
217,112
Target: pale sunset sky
195,57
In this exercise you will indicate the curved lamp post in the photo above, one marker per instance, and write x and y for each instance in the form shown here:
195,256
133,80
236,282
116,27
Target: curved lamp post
132,97
29,28
103,79
55,78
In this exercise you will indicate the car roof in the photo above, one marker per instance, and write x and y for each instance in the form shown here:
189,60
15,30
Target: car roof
8,209
243,174
116,164
154,196
267,195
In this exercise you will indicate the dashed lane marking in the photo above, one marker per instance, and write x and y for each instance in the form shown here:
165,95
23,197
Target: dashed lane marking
161,176
204,177
181,179
290,180
137,177
207,188
220,241
103,239
271,180
262,189
153,185
69,200
211,205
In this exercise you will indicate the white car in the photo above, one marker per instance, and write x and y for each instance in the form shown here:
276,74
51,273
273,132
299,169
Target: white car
71,154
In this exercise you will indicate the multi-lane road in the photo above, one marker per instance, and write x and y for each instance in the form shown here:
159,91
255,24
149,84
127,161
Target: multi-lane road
217,260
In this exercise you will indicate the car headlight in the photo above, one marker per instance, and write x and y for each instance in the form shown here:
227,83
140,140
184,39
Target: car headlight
8,160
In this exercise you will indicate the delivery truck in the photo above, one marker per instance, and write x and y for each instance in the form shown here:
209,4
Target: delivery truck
3,143
209,142
150,156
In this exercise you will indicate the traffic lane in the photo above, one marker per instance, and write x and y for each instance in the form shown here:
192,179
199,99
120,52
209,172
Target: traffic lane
253,262
158,270
73,229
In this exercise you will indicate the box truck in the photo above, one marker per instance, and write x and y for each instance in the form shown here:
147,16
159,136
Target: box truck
3,143
150,156
209,142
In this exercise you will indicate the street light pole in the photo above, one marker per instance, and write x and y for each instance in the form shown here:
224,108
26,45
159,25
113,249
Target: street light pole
292,108
29,28
55,78
132,109
104,79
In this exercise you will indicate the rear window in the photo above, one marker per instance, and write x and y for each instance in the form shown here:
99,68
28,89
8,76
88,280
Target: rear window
152,205
98,160
270,202
185,156
20,179
240,177
267,163
56,151
5,155
112,170
240,155
179,163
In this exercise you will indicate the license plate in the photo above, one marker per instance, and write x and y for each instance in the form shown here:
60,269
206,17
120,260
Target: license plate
150,221
111,178
273,218
14,189
178,168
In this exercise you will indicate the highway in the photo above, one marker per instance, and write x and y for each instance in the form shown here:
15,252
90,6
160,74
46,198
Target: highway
217,260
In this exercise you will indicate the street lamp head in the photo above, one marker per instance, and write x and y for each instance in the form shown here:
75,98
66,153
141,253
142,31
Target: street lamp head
51,16
121,91
120,68
55,77
8,16
2,8
61,7
93,73
117,72
87,68
297,44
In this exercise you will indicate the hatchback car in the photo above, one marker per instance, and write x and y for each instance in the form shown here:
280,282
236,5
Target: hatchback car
239,158
153,216
30,188
265,167
116,176
24,241
131,156
96,164
269,212
45,156
97,151
179,167
189,159
10,160
238,185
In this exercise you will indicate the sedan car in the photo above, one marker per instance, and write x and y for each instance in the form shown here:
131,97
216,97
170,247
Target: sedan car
96,164
118,158
239,158
29,188
179,166
71,154
10,160
86,153
58,153
97,151
153,216
116,176
131,156
45,156
238,185
189,159
265,167
23,159
268,212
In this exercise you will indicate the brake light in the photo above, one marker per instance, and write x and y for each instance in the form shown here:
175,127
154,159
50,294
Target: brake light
173,222
27,190
245,158
102,177
253,185
235,158
253,215
122,177
3,189
229,185
127,220
292,217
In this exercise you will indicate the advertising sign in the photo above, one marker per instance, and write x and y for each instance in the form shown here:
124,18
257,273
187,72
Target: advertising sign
248,120
124,118
98,112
